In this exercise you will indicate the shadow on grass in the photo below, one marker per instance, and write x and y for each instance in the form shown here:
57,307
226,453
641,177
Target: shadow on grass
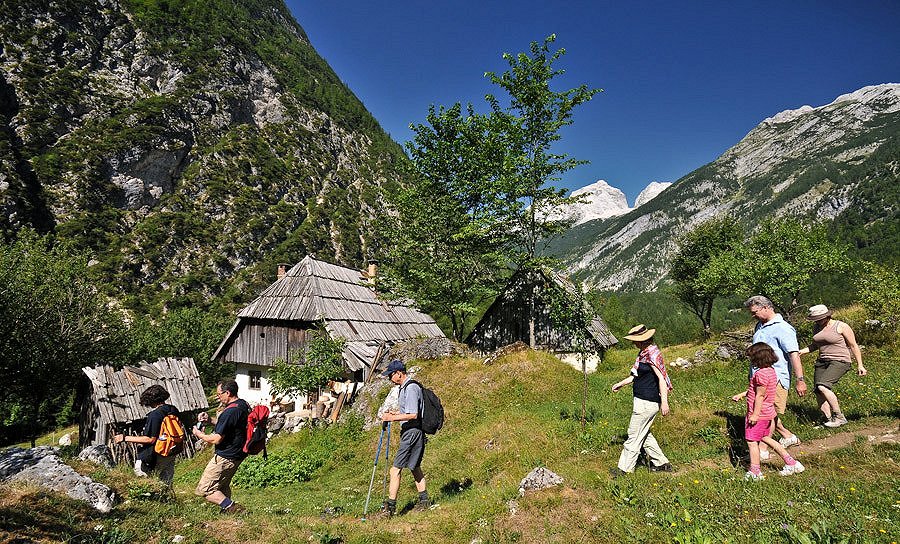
455,487
42,516
737,446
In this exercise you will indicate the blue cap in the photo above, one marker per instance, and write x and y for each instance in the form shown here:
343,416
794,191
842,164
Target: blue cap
394,366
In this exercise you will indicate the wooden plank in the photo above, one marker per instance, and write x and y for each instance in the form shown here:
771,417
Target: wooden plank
339,403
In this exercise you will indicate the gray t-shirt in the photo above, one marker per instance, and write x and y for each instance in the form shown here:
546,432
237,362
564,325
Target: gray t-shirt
410,402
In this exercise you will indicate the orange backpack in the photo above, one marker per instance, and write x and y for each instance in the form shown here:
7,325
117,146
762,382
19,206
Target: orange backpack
171,437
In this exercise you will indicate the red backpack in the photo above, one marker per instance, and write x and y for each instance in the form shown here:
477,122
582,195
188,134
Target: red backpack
257,424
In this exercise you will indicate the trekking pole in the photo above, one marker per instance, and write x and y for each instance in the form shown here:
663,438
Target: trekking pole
375,466
387,463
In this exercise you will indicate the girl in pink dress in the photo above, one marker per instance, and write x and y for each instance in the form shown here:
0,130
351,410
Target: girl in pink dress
761,413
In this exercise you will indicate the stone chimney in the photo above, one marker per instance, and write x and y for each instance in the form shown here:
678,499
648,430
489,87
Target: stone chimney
282,270
370,272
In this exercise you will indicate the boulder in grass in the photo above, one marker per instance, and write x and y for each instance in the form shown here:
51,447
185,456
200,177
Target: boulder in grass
43,467
99,455
539,478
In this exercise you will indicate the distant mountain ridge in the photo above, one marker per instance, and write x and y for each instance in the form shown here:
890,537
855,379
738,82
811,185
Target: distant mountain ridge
190,146
838,163
601,200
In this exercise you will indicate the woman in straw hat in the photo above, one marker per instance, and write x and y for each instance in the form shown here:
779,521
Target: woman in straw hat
835,341
651,386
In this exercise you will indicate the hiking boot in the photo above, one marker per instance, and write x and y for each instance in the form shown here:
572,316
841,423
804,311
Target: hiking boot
749,476
836,421
665,467
788,442
790,470
234,509
386,512
423,506
616,473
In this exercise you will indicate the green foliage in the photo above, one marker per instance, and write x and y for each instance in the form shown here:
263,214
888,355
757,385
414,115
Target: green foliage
819,533
53,321
781,259
528,128
319,361
879,293
446,246
182,332
673,321
278,470
702,268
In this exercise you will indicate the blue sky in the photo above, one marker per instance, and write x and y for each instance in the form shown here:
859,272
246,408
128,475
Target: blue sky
683,81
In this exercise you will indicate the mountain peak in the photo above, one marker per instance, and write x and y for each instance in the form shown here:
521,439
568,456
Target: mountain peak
601,200
650,192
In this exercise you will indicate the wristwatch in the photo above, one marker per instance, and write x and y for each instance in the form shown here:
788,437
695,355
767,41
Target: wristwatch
801,379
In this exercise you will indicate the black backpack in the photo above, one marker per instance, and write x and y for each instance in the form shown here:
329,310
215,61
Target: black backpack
432,416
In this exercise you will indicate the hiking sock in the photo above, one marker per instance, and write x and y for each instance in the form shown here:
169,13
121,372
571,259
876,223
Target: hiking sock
755,469
423,496
226,504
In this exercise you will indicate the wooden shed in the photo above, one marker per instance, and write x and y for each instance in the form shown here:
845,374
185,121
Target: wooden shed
507,321
312,293
113,405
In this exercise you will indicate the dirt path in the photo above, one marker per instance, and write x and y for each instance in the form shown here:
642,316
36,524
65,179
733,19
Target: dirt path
872,434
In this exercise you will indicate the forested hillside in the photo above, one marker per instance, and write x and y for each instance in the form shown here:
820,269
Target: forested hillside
188,146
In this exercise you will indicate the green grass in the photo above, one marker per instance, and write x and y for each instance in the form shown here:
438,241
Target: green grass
503,420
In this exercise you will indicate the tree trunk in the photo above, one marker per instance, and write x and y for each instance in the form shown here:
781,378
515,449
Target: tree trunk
583,390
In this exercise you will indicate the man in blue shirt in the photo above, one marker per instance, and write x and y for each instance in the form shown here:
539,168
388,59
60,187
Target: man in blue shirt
412,438
772,329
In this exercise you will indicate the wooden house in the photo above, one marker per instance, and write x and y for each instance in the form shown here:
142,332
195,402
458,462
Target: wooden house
311,294
113,405
507,321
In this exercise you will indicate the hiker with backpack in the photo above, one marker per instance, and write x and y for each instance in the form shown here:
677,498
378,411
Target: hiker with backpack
412,437
229,438
149,457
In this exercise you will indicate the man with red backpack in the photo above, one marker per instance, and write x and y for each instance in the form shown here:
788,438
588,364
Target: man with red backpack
229,438
148,460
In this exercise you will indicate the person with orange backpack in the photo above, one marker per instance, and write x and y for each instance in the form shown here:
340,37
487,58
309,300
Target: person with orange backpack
162,438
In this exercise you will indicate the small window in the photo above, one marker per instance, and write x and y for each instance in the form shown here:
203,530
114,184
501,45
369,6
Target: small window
255,379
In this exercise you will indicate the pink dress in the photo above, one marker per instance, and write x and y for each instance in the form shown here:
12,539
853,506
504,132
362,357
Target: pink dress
764,377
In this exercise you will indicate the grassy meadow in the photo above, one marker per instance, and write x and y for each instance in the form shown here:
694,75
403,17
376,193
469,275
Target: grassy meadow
503,420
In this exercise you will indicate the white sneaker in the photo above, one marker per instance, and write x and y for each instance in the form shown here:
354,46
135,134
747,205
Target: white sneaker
836,421
788,442
749,476
796,468
764,455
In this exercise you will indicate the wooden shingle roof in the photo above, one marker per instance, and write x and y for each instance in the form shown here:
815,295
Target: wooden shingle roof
313,291
117,393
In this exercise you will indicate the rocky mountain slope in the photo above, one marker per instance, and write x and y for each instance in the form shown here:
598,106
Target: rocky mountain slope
838,163
189,145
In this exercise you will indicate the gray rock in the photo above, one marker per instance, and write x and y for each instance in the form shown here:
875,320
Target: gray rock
722,352
43,467
539,478
99,455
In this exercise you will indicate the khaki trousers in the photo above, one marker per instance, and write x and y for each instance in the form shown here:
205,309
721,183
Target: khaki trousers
639,436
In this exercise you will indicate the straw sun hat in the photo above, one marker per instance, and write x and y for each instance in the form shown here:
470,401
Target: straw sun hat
640,333
817,312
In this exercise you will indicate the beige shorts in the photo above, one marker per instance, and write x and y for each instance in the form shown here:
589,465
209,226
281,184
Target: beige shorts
781,395
217,476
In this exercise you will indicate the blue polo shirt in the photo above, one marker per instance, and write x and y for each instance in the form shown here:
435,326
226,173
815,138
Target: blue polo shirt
782,338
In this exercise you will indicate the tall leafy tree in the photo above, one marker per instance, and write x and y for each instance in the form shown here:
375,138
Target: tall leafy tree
783,257
703,267
446,249
53,322
529,121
